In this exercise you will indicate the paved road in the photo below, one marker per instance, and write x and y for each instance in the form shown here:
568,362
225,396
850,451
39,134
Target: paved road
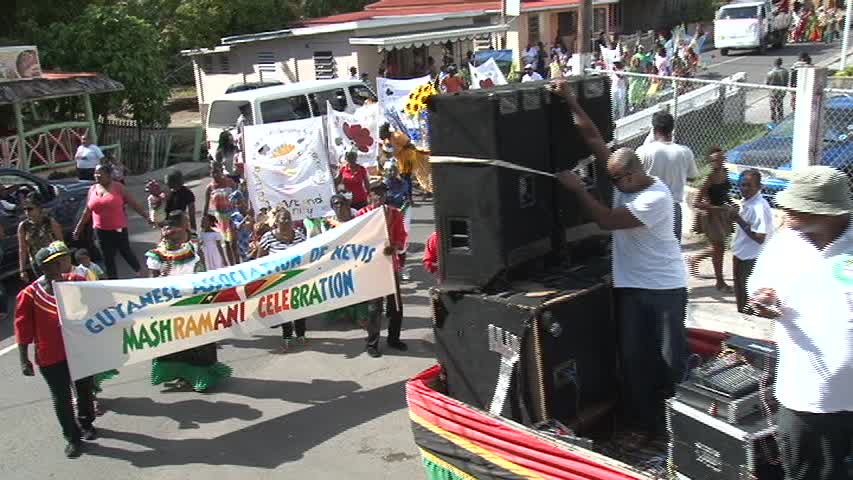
327,411
756,66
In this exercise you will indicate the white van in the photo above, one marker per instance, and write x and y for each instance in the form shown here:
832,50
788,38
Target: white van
281,103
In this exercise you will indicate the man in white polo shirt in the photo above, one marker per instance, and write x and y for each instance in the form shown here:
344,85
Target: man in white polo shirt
754,223
672,163
804,279
87,156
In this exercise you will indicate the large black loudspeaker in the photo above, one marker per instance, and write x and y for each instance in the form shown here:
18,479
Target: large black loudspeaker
489,219
566,144
520,123
545,349
509,124
492,219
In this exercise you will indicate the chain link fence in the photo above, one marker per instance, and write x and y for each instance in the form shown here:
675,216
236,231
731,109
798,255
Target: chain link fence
837,130
753,124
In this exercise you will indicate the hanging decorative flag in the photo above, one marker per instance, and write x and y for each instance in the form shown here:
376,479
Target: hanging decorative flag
486,75
357,131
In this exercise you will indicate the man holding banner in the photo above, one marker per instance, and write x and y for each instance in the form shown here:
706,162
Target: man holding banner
393,303
37,321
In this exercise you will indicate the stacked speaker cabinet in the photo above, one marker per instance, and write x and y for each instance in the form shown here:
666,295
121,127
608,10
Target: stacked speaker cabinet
492,219
544,349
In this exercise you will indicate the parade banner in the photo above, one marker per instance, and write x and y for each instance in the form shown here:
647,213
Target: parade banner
358,130
394,94
287,162
486,75
111,323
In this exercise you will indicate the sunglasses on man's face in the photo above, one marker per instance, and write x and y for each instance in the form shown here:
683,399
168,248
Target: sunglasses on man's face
616,178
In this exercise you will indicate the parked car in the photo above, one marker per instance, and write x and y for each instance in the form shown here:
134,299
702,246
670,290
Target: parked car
242,87
65,199
773,150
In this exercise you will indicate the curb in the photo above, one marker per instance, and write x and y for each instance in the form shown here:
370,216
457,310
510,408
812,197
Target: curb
191,171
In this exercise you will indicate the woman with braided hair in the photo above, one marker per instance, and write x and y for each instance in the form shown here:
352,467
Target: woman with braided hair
179,253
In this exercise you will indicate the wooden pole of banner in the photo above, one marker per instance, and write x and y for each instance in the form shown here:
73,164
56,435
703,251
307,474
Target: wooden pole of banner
397,297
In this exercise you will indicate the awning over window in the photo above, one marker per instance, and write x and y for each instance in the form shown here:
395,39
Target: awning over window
419,39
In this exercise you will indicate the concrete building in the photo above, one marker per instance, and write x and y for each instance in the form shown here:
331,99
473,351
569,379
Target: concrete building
396,35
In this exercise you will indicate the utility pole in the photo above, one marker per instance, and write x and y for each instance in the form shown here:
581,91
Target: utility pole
586,33
845,40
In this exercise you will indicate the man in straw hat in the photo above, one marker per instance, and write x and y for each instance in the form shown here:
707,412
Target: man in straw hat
37,321
649,277
804,279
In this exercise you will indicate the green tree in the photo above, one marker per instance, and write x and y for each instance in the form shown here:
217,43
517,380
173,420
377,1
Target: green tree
107,39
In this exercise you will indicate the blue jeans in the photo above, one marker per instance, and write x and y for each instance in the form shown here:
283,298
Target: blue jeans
653,350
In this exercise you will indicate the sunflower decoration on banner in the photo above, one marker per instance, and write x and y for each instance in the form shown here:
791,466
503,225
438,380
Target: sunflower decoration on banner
418,99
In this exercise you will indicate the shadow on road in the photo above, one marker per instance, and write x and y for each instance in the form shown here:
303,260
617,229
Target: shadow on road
188,414
267,444
346,347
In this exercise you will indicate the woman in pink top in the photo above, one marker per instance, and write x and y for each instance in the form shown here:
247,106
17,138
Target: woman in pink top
105,207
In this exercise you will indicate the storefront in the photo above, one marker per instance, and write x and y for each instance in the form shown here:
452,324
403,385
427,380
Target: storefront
408,55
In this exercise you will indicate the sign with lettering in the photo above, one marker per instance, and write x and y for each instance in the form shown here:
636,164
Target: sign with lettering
111,323
287,163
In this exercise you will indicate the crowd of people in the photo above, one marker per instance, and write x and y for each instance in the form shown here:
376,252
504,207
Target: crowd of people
810,24
798,276
229,231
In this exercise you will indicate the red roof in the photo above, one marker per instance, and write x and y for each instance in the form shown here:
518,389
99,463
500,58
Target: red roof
389,8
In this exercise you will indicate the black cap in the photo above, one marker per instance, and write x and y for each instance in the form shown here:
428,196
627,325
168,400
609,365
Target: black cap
377,185
51,252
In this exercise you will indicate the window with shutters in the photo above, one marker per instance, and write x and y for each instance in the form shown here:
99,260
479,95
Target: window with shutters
217,63
324,66
533,29
266,62
599,20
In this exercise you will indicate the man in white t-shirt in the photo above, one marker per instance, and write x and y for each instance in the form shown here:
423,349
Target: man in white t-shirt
88,155
804,279
530,75
754,223
672,163
649,277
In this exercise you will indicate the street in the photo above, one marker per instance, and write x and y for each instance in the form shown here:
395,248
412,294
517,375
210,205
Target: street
323,411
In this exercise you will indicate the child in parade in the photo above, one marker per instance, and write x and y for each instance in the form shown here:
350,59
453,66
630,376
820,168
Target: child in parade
178,254
399,197
85,267
243,223
211,244
156,201
217,201
91,271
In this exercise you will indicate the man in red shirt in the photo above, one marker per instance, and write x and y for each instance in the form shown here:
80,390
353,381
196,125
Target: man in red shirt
453,83
37,321
393,306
